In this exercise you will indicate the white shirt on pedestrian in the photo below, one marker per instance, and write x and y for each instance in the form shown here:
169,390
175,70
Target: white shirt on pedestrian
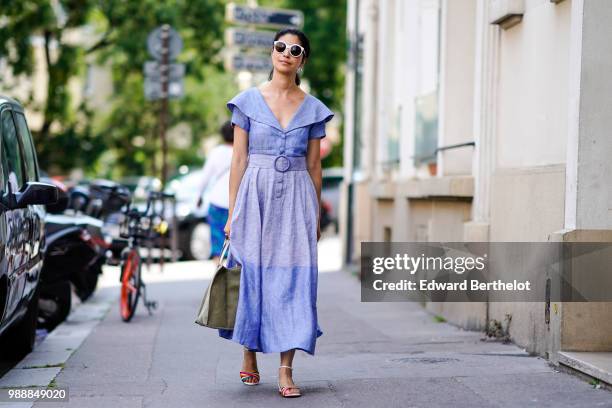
216,175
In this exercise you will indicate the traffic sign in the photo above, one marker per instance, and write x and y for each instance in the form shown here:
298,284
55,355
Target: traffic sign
153,89
269,17
241,37
153,69
248,62
155,43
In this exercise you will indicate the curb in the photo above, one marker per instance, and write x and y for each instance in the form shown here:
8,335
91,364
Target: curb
45,362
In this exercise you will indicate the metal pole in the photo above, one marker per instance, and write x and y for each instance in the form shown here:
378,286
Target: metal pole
163,114
163,117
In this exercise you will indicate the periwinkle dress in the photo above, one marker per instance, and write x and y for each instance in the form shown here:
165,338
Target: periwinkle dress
273,232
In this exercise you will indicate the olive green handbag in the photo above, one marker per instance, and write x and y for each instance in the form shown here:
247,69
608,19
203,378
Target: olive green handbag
218,308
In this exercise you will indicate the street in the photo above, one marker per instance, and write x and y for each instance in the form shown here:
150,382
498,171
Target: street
371,354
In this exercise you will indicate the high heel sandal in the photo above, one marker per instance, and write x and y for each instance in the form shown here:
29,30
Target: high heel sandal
246,375
289,391
249,377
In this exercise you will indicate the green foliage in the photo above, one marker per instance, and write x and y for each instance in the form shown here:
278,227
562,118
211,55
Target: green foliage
37,19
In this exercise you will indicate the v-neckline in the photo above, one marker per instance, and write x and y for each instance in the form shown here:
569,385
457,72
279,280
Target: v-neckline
295,114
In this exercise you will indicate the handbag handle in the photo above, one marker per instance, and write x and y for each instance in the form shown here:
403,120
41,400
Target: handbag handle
223,251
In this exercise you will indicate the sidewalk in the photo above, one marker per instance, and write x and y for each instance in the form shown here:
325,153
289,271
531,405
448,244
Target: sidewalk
370,355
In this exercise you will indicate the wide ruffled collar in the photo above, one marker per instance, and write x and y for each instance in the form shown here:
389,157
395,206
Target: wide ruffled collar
252,103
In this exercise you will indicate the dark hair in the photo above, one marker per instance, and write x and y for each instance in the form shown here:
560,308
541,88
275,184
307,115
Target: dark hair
304,42
227,131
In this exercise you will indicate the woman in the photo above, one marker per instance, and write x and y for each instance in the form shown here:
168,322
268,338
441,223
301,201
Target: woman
273,224
215,175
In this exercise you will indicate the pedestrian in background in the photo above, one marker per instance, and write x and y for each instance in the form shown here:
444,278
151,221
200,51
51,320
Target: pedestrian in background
216,177
273,224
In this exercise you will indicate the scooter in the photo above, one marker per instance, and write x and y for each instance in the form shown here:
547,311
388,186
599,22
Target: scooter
77,247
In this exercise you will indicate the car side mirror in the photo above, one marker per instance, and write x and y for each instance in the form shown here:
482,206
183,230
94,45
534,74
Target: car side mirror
36,193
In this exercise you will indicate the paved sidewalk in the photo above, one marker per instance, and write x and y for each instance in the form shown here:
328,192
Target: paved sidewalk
370,355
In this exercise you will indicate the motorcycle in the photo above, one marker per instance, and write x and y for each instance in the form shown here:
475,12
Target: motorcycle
77,247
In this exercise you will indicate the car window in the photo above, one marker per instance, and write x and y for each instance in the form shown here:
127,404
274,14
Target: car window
11,154
28,147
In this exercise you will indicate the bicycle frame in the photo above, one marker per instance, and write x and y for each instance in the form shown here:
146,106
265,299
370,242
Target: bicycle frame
138,227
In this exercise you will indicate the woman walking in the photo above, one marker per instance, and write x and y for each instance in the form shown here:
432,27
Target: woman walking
273,222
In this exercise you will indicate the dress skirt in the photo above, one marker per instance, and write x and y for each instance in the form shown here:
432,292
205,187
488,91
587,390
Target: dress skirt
273,235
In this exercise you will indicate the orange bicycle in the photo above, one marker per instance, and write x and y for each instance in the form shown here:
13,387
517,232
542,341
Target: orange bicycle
138,227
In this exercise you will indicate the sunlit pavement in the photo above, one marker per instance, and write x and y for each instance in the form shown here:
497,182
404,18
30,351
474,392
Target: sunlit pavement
329,261
370,355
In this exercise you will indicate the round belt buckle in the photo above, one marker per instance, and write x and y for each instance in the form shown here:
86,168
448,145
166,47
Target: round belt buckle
284,164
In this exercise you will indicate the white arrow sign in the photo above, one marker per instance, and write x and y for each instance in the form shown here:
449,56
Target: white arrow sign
269,17
246,62
241,37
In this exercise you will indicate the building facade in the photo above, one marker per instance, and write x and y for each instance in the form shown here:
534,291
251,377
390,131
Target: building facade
485,120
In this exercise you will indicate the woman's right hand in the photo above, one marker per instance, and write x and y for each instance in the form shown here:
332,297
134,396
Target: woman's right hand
227,228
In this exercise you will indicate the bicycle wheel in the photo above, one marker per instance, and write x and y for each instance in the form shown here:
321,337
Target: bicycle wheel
130,284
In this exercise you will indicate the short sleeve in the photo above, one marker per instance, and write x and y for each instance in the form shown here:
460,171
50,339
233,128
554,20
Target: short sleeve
317,130
321,114
238,117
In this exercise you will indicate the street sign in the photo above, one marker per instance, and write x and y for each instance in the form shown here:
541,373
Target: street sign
261,16
153,89
155,43
241,37
247,62
153,69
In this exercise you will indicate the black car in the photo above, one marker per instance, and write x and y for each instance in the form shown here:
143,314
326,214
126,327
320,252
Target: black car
22,236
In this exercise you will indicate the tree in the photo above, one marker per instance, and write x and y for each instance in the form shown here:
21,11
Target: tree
22,21
125,27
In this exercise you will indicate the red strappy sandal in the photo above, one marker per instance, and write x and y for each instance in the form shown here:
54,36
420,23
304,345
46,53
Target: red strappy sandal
249,377
289,391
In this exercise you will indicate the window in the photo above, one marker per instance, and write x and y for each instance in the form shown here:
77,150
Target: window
11,155
28,147
426,103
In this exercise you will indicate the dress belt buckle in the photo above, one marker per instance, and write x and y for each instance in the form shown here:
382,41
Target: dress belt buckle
285,164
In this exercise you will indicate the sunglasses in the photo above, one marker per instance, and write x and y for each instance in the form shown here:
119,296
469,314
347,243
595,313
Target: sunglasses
294,49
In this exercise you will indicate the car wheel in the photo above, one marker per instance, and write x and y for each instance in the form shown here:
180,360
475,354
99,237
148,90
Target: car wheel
19,340
196,242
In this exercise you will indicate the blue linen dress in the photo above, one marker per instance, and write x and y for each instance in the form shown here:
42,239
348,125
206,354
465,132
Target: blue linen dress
273,232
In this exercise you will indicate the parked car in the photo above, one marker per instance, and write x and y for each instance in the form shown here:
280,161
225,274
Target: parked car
194,231
140,186
77,245
21,231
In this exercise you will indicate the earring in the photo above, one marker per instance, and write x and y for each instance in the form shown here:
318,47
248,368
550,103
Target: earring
300,69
